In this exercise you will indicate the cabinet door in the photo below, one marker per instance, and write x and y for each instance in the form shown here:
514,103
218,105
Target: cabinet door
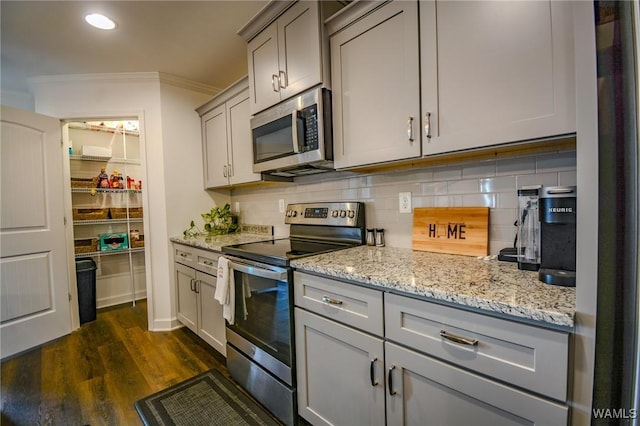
240,143
299,48
264,69
211,326
375,77
214,145
425,391
186,297
335,374
504,72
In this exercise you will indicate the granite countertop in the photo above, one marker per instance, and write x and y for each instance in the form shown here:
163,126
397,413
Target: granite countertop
489,285
216,242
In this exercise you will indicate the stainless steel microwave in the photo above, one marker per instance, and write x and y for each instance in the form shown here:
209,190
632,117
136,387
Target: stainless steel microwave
294,137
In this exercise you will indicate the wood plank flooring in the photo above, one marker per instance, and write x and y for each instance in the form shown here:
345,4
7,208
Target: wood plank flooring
95,375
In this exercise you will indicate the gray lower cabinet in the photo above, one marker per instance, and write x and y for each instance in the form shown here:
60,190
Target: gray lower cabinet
425,391
421,363
340,373
197,309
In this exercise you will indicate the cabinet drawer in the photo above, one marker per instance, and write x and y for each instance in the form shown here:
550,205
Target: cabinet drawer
349,304
184,255
207,262
527,356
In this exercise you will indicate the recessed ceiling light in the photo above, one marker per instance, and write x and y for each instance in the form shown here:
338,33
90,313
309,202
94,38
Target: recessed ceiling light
100,21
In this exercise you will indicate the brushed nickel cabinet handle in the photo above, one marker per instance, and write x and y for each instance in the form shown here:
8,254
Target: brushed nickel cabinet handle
410,129
183,254
327,299
427,126
372,372
458,339
275,82
192,284
282,77
207,262
224,171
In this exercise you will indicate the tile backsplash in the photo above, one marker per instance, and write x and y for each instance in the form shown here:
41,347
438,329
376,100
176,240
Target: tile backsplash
487,183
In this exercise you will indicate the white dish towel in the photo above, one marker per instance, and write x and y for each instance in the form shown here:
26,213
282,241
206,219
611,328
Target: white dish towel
225,289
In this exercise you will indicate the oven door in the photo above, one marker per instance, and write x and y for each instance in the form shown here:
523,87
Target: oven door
262,329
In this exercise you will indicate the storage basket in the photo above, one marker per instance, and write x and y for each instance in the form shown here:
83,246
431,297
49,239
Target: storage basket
87,245
84,183
121,213
138,243
90,214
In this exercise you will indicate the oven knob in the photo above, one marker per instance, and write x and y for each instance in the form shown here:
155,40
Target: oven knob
294,213
343,213
334,213
288,213
351,214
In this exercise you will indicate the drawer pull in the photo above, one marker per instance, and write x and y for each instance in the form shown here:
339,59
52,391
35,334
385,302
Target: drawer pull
183,254
458,339
207,262
372,372
390,380
327,299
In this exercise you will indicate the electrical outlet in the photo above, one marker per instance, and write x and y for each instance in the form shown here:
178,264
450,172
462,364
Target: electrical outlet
404,199
281,205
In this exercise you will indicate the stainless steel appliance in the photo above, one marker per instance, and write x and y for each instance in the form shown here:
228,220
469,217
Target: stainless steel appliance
260,343
558,235
528,239
294,137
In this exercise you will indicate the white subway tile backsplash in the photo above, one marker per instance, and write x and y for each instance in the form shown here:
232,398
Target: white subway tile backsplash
434,188
479,200
544,179
447,173
556,162
462,187
516,166
567,178
479,170
498,184
484,183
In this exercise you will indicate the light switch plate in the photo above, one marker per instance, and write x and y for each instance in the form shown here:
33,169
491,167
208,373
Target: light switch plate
404,200
281,205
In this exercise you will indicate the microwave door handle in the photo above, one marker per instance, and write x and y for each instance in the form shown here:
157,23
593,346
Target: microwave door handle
294,131
259,272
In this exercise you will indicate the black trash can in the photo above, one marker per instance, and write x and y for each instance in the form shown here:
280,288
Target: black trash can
86,280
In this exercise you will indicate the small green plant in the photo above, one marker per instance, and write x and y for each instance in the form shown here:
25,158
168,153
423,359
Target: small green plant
218,221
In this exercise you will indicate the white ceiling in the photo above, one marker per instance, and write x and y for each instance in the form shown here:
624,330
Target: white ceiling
195,40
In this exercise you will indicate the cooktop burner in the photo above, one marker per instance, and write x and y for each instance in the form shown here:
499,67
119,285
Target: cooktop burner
314,228
279,252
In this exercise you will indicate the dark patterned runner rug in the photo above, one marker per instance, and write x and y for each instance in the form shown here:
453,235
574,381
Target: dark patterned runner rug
207,399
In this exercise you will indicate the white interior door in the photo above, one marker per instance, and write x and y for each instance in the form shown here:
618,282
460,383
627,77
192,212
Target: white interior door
34,289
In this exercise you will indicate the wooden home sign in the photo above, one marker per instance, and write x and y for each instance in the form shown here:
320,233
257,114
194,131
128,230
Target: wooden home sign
454,230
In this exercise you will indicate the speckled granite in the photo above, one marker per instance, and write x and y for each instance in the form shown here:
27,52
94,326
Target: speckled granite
216,242
489,285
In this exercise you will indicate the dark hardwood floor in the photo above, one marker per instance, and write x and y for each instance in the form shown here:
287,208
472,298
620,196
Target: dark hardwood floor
95,375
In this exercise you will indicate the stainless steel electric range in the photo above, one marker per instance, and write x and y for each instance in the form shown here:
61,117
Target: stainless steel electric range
260,343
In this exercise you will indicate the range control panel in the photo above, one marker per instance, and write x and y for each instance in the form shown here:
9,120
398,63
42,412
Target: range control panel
341,213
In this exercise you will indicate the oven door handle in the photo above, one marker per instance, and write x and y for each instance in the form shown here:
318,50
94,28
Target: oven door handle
259,272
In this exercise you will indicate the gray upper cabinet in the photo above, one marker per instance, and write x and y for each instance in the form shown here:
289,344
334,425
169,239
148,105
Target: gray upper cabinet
226,139
286,57
375,78
495,72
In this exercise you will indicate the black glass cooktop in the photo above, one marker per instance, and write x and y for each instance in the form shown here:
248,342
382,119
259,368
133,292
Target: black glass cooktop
279,252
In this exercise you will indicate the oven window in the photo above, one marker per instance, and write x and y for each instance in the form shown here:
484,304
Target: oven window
273,140
263,314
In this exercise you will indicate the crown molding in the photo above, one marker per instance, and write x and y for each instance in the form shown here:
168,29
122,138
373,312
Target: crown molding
264,17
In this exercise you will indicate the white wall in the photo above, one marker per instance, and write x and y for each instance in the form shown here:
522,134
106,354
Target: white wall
20,100
140,95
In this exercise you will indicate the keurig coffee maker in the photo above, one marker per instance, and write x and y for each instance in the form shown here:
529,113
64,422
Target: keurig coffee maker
557,209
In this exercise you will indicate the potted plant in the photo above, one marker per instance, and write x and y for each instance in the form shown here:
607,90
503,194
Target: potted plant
217,221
